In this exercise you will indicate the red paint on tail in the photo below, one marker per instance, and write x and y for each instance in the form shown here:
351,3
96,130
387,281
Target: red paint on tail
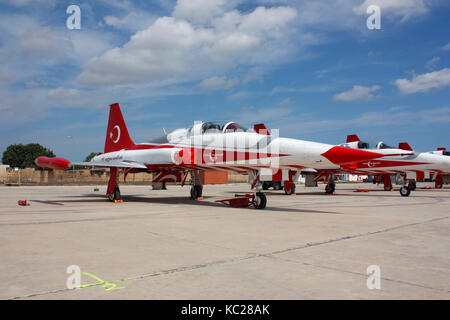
352,138
405,146
261,129
117,136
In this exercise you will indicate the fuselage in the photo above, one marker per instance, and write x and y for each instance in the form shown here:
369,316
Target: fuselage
232,149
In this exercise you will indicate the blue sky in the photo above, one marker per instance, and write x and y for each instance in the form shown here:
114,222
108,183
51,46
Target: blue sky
309,68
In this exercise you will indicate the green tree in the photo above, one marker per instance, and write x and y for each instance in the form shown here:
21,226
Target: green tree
90,156
22,156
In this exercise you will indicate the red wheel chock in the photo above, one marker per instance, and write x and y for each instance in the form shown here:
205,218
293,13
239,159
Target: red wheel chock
239,201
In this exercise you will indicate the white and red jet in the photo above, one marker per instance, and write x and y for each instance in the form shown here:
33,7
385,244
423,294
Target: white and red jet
399,165
222,146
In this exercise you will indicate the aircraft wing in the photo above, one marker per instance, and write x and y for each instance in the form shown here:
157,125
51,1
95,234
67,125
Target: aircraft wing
123,164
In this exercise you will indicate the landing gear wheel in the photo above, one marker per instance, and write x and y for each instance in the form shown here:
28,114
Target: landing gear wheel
412,185
265,186
276,186
290,191
196,192
439,186
115,195
260,200
404,191
329,189
388,188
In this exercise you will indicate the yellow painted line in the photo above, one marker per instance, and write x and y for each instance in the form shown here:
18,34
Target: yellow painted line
109,285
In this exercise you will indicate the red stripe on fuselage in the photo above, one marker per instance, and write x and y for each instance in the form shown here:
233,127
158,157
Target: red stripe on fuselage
191,155
386,163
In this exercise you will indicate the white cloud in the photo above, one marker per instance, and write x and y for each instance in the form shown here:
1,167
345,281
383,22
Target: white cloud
405,9
310,89
44,42
172,49
133,21
424,82
63,93
218,83
22,3
357,93
432,63
254,75
199,11
446,47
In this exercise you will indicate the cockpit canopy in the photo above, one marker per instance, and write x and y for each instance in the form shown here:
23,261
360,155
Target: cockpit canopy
221,126
356,145
363,145
382,145
208,127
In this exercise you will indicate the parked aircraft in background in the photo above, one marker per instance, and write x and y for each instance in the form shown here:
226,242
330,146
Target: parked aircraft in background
399,165
223,146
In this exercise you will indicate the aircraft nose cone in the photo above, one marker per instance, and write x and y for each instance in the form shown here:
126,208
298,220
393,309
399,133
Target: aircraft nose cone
341,155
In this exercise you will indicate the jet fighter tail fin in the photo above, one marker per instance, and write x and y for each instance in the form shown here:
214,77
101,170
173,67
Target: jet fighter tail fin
117,136
404,146
352,138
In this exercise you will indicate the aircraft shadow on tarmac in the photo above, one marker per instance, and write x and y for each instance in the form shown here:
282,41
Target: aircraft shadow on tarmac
354,193
90,198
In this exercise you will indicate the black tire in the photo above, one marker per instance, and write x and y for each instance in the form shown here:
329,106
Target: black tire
115,195
277,186
196,192
405,192
291,191
265,186
260,200
439,186
412,185
329,189
388,188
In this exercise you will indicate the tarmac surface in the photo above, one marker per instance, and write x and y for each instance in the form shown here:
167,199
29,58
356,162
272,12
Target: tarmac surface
162,245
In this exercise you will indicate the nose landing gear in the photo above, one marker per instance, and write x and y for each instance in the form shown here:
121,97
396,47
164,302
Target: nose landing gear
405,191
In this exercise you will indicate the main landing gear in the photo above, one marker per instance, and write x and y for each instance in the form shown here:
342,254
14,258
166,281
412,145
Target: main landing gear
387,182
196,192
412,185
197,187
289,188
113,191
331,185
329,188
115,195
